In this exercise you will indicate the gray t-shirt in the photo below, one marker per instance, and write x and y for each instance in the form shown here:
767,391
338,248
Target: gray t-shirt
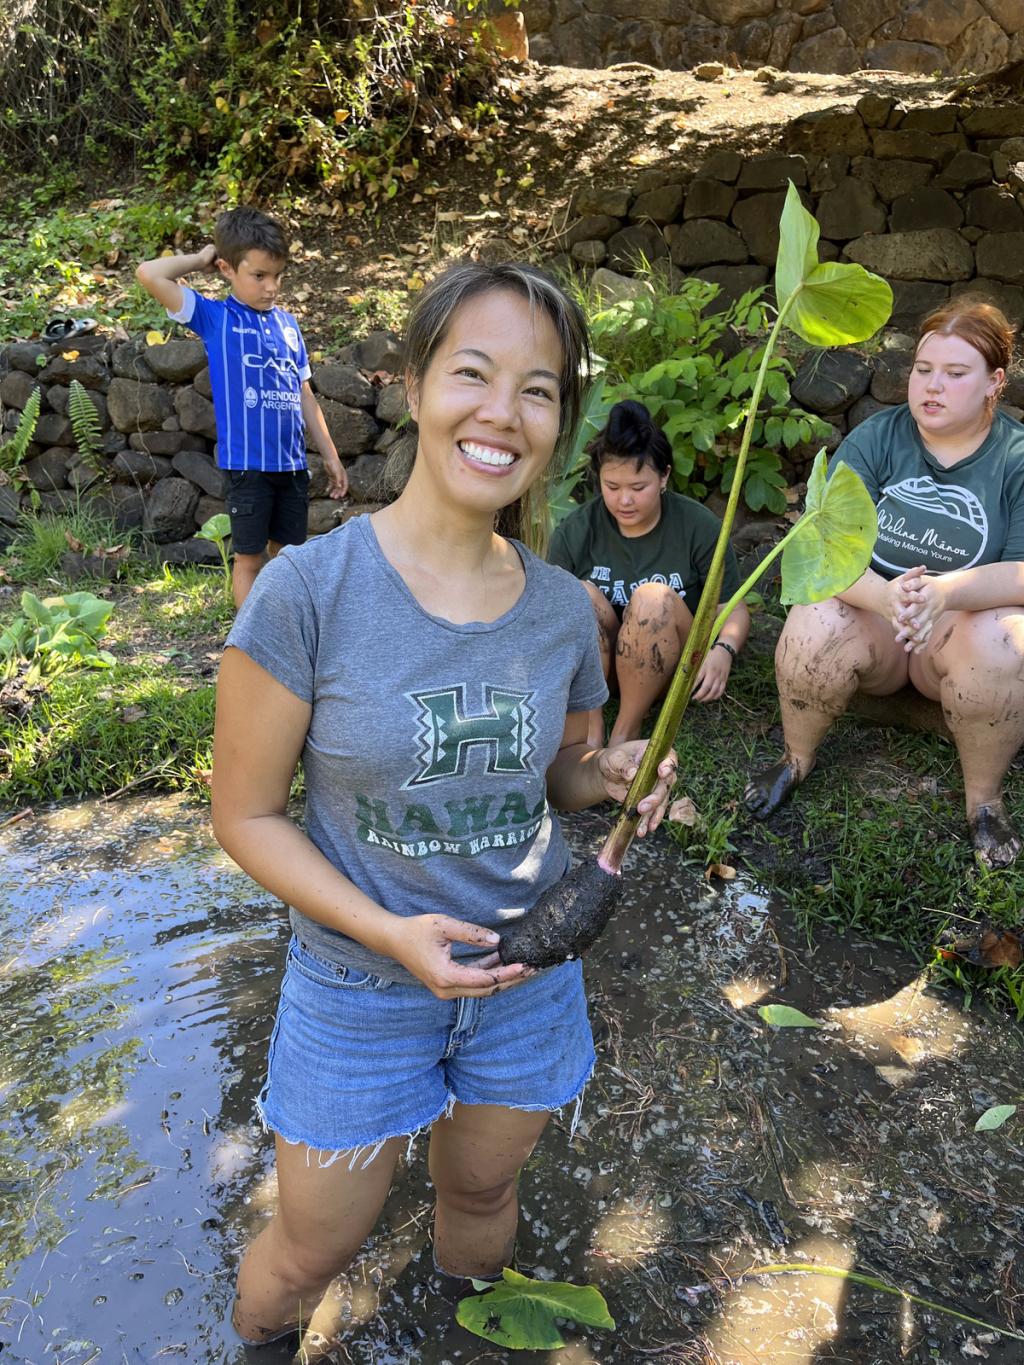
429,742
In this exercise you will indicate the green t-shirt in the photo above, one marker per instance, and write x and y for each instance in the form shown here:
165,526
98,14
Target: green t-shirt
677,551
971,513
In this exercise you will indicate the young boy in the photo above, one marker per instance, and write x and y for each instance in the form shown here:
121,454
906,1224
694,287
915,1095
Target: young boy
259,373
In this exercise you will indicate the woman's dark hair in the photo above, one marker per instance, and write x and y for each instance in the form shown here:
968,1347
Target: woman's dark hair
631,433
528,518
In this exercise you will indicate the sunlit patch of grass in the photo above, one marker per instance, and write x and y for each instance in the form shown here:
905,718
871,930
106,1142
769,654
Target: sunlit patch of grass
185,601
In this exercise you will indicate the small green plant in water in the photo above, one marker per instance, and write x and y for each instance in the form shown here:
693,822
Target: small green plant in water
218,529
55,634
520,1313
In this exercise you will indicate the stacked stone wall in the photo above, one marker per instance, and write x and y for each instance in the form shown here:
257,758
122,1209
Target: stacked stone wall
840,36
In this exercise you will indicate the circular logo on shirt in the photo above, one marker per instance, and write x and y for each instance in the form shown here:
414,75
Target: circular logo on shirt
919,521
292,338
251,397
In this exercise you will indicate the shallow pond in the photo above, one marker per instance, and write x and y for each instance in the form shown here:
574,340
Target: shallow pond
138,975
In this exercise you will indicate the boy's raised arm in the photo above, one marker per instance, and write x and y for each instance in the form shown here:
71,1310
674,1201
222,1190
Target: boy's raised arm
160,276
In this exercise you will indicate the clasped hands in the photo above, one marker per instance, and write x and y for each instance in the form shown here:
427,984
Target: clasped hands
917,600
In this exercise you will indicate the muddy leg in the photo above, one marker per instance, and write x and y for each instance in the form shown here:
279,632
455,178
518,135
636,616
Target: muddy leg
654,628
475,1160
826,652
607,633
324,1215
975,665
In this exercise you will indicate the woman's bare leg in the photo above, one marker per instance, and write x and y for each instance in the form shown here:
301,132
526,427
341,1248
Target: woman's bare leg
324,1215
826,653
654,628
475,1159
607,633
974,664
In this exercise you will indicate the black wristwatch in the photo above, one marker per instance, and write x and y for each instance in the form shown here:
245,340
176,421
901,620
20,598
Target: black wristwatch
724,644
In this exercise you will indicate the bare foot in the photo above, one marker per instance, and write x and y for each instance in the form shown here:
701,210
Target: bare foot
772,788
996,842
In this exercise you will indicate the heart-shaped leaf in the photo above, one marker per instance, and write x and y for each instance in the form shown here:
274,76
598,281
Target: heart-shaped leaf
785,1016
834,537
520,1312
995,1117
833,304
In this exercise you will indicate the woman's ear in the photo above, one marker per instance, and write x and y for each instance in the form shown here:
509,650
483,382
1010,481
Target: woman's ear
996,384
412,395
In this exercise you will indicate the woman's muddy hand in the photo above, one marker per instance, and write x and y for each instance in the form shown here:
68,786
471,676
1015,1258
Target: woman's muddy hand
618,766
423,945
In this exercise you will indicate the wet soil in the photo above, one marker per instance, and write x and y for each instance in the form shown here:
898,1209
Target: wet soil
138,974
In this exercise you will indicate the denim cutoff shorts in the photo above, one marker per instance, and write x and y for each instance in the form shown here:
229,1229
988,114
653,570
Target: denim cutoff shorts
356,1060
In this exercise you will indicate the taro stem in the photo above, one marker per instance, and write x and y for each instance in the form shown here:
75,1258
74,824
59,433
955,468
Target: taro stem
702,636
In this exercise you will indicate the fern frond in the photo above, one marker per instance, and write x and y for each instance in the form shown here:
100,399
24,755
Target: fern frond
13,453
85,423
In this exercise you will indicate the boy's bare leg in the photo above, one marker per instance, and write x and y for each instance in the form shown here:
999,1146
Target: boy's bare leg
244,569
324,1215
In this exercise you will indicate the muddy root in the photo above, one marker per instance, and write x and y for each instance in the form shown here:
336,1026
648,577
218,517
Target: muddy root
567,919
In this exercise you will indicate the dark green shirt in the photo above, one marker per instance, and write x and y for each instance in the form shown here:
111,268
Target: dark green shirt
971,513
677,551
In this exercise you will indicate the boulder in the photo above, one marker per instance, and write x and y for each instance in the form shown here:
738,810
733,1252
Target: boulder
352,429
208,507
758,220
824,131
591,227
995,209
723,165
935,150
891,178
195,413
656,206
981,47
937,254
850,210
995,121
608,202
706,241
53,430
919,59
136,406
324,514
630,244
773,172
345,384
1000,256
610,286
829,381
733,281
10,505
938,119
965,171
364,478
200,470
589,254
914,299
23,355
380,351
48,470
138,467
827,172
128,361
57,397
161,442
709,199
873,108
925,208
1008,297
128,506
91,371
890,372
176,361
16,388
195,550
170,510
828,52
391,405
202,383
863,408
862,19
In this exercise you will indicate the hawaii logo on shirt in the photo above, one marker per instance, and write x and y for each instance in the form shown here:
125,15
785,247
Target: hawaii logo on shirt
921,522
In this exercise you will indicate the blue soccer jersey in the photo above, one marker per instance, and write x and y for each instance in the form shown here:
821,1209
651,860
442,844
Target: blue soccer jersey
258,364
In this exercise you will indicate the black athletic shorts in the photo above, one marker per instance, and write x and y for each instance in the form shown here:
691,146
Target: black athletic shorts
265,507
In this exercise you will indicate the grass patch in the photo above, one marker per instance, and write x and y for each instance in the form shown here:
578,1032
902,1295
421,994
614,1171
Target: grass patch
35,552
876,840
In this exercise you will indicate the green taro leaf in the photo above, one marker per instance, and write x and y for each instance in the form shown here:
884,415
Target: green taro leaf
520,1313
995,1117
216,528
785,1016
834,303
835,536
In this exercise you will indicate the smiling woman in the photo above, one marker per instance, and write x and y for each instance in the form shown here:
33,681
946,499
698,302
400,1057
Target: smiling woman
942,606
434,676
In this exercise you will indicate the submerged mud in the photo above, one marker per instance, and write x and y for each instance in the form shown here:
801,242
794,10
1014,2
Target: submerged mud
138,975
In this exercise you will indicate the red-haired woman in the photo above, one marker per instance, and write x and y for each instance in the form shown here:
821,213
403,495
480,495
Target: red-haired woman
942,605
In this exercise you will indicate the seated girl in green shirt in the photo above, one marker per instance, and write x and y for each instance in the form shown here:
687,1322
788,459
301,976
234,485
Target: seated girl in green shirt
643,554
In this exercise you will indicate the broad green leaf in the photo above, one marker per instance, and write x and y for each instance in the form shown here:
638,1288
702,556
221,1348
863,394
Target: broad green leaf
785,1016
35,610
216,528
835,536
520,1313
834,304
995,1117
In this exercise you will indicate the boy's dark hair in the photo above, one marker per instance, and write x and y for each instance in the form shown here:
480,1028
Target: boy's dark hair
245,229
631,434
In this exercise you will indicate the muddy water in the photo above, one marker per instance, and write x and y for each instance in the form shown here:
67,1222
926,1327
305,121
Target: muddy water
138,972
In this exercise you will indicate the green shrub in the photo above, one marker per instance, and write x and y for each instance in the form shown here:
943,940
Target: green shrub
40,541
54,635
664,349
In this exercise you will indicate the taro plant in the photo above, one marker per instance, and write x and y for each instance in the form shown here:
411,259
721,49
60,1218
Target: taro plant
218,529
55,634
825,304
523,1314
692,374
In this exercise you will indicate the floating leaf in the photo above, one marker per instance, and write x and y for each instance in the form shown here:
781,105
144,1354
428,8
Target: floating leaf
155,338
683,812
70,355
785,1016
835,536
995,1117
834,304
520,1313
721,870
